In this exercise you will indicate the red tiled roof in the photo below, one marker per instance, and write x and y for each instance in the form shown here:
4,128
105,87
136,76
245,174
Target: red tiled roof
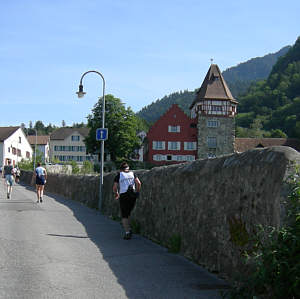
42,139
244,144
5,132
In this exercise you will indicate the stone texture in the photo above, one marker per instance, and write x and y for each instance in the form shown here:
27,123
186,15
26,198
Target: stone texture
212,205
224,133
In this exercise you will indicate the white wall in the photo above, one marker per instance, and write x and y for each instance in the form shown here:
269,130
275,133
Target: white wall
20,144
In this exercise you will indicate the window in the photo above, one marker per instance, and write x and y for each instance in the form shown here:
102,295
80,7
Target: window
158,145
216,108
180,158
212,123
169,158
174,145
27,155
20,140
19,152
190,158
174,129
159,157
212,142
75,138
9,149
190,146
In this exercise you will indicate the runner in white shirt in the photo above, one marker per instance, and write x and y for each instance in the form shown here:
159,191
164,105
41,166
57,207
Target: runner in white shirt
129,187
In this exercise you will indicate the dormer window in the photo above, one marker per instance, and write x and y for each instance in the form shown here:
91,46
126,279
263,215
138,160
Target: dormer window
75,138
174,129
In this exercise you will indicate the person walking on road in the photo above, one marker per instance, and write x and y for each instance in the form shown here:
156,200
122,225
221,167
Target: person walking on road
126,189
8,174
40,181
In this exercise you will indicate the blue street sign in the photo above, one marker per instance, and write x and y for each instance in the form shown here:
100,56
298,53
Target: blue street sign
101,134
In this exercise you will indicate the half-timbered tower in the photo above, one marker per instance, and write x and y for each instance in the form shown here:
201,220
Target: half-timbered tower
214,108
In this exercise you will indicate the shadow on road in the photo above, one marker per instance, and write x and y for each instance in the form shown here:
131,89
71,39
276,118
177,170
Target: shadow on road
143,268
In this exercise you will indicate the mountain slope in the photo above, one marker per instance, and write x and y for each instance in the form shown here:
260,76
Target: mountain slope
275,102
238,78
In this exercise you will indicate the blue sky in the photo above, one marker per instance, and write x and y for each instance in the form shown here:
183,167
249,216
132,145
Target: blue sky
144,49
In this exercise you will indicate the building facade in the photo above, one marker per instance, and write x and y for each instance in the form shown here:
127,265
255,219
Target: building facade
215,110
42,143
67,144
172,139
14,146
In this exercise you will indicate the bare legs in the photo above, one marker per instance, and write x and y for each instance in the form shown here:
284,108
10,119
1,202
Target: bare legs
9,190
39,192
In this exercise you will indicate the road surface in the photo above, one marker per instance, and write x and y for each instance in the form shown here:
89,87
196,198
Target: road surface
62,249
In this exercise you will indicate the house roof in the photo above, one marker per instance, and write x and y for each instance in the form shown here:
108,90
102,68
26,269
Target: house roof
5,132
63,133
244,144
213,87
42,139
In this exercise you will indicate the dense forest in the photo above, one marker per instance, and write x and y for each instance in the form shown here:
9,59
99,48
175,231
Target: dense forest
274,103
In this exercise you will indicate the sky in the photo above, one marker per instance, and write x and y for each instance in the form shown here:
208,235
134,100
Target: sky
145,50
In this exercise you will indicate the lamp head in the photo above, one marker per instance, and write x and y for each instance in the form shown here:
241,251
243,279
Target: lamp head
80,93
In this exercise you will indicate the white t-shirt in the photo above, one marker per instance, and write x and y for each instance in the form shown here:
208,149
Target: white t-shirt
126,179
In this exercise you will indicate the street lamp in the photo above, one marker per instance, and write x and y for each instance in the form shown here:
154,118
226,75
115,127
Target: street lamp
81,94
35,149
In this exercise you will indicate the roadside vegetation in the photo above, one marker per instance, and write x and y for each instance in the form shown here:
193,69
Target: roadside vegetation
274,261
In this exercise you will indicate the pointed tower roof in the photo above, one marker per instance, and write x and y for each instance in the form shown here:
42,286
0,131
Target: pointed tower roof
213,87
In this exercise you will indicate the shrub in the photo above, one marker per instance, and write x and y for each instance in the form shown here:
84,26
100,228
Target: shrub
274,261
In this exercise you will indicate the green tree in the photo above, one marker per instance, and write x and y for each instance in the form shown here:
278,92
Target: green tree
122,127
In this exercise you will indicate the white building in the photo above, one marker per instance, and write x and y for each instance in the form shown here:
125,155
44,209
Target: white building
42,143
14,145
66,144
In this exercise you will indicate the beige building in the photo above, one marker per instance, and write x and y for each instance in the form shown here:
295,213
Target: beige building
67,144
42,144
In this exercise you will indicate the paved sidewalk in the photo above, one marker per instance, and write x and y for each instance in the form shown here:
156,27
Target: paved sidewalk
79,253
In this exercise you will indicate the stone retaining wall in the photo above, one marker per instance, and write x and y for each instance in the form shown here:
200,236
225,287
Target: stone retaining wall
212,206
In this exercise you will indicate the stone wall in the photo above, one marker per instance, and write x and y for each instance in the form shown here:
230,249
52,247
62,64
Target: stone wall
224,133
211,205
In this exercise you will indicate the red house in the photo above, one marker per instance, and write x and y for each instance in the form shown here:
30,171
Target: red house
173,138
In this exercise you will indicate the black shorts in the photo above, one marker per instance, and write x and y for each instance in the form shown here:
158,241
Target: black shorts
126,204
40,180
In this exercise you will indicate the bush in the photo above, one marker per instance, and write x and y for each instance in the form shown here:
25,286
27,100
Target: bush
275,260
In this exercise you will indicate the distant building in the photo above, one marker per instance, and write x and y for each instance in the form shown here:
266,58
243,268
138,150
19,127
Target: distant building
67,144
172,139
208,133
215,109
43,146
14,145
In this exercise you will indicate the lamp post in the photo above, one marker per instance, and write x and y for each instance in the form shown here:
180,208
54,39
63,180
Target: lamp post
35,149
81,94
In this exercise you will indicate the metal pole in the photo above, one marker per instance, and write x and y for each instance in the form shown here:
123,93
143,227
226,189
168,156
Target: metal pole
35,149
102,141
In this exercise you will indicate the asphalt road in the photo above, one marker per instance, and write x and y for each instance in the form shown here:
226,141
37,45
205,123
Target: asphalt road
62,249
